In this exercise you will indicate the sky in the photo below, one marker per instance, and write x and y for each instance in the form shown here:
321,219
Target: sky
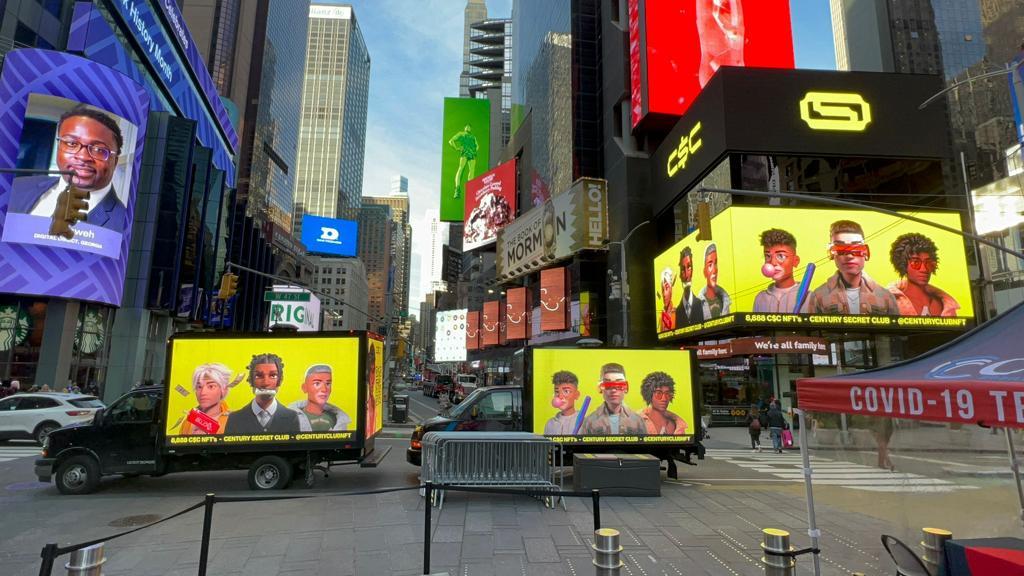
416,56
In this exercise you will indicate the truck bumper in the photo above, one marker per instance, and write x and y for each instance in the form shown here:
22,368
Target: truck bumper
44,468
413,456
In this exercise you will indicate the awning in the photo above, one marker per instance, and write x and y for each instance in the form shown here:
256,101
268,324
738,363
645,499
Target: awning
976,379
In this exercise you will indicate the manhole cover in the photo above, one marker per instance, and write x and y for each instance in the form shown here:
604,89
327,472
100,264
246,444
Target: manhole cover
138,520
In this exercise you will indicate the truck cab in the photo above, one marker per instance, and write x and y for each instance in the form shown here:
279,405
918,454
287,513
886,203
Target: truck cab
492,409
465,384
122,439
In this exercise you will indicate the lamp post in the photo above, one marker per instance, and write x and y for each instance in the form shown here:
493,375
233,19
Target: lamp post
624,292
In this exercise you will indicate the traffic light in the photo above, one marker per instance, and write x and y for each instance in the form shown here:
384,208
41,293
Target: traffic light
228,286
704,221
72,205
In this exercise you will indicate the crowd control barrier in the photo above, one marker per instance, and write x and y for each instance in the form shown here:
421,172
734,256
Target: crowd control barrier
497,459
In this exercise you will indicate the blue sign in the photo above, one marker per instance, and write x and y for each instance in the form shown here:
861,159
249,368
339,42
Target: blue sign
329,235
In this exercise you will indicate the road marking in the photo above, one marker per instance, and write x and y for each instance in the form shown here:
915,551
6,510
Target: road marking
9,453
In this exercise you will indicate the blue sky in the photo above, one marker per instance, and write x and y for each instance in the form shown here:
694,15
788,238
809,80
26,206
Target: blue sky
416,56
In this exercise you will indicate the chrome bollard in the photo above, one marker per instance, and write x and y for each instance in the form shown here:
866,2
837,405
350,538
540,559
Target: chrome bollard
87,561
777,541
934,544
607,552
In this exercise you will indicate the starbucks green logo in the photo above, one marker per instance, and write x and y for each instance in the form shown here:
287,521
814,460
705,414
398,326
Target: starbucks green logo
90,334
15,325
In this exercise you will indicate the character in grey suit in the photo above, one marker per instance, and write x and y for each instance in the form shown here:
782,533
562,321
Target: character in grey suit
265,415
89,143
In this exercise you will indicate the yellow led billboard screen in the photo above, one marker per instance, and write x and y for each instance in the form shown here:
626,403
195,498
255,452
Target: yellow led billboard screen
814,268
594,396
375,386
226,391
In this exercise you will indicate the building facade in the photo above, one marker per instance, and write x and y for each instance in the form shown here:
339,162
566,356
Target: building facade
476,10
401,250
335,91
376,234
490,65
438,239
343,293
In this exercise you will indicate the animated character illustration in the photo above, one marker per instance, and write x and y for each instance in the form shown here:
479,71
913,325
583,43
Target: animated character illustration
715,299
264,415
613,417
465,142
915,258
690,309
668,311
315,413
211,383
658,390
851,290
567,391
780,261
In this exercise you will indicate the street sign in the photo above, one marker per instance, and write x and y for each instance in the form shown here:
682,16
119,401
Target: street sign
270,296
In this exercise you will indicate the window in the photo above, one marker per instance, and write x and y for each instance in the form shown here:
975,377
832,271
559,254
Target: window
86,403
9,404
36,403
139,407
495,406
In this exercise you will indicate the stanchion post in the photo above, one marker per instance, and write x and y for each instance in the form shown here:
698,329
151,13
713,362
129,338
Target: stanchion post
428,503
49,554
86,561
595,495
774,543
933,540
607,552
204,550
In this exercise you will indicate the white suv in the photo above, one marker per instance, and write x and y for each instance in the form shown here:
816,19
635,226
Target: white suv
36,415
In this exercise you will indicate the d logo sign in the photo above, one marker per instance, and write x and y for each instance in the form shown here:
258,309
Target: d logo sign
329,234
843,112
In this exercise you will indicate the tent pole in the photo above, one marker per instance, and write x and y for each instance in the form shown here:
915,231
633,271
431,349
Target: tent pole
1015,466
812,525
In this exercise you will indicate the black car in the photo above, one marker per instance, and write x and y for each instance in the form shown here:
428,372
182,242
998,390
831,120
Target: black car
494,409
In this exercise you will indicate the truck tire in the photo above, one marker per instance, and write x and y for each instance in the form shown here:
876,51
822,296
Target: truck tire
78,475
270,473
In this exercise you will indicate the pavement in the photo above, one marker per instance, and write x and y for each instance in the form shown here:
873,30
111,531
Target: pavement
707,522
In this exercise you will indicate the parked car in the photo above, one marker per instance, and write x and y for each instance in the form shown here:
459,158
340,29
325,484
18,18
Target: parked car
491,409
36,415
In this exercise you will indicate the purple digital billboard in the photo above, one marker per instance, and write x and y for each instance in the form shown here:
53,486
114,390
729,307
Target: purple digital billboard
74,130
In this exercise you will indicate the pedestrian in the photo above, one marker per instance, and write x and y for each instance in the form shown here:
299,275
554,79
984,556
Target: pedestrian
883,428
15,387
776,424
754,428
5,389
45,388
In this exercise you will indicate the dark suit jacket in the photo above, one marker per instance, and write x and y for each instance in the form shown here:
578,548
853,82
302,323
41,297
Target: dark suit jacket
27,190
285,421
696,315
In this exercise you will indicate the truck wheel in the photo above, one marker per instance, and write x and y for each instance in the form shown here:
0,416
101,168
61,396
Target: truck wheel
78,475
270,473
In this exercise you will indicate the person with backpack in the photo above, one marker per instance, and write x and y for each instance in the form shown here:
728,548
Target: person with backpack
754,428
776,424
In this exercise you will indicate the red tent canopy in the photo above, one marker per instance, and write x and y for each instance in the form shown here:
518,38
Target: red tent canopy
977,378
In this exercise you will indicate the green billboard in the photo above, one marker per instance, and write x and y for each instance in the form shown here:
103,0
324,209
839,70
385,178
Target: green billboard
465,151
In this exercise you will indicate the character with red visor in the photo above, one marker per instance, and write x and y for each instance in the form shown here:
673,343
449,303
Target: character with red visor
613,417
851,290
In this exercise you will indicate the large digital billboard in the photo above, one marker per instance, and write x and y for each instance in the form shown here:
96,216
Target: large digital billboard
489,323
810,268
225,391
515,314
450,335
676,47
613,396
80,126
465,151
554,299
329,235
490,205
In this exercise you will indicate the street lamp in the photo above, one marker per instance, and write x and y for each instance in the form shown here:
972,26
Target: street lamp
624,292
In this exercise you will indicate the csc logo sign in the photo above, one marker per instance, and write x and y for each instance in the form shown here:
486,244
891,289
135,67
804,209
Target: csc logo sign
985,367
843,112
329,235
688,145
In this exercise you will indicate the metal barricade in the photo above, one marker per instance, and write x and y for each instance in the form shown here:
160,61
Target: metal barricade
497,459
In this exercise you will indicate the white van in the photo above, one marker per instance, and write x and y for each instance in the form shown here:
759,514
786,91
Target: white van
464,386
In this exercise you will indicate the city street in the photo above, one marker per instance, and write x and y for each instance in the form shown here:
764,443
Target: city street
707,522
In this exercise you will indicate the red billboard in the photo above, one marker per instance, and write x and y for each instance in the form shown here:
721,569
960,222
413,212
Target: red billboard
515,314
489,324
503,324
554,307
490,205
473,331
676,47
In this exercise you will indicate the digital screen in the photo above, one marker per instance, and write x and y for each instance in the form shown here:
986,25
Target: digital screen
228,391
515,314
809,268
585,396
66,226
473,331
329,235
554,306
489,324
374,386
490,205
465,151
676,47
450,335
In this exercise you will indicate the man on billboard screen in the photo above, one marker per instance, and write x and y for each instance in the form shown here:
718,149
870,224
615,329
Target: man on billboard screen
690,310
780,260
265,415
211,383
315,413
850,290
715,299
658,390
567,391
916,258
613,417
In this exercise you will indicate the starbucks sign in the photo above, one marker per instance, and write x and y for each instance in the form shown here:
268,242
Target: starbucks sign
15,325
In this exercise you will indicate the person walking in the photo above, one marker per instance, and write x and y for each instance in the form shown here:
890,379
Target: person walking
754,428
776,424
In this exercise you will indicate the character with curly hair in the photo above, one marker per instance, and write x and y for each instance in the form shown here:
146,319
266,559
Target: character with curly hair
658,390
264,415
567,391
780,260
915,258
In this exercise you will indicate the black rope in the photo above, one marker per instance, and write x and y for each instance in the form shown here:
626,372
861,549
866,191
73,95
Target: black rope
72,548
318,495
791,553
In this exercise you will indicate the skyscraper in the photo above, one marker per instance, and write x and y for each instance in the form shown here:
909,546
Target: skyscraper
335,92
399,185
376,233
490,66
476,10
401,247
438,238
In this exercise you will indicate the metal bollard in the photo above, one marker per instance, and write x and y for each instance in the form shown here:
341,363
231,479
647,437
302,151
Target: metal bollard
934,544
777,541
607,552
87,561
